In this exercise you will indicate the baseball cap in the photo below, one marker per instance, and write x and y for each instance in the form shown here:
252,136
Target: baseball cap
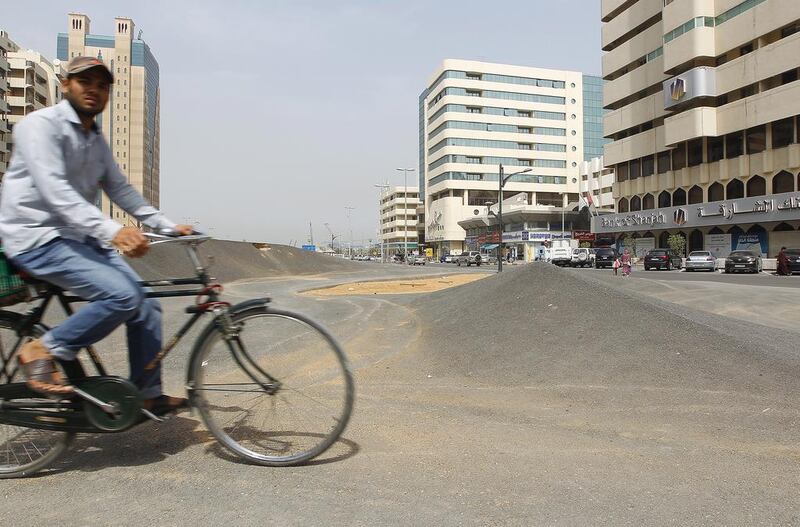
79,64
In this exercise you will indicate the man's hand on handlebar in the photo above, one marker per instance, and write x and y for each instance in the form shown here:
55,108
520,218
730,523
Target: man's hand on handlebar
184,230
131,242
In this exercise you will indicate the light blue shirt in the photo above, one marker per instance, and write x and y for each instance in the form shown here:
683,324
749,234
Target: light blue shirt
50,189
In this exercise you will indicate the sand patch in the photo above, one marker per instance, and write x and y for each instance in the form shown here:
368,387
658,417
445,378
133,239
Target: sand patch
398,287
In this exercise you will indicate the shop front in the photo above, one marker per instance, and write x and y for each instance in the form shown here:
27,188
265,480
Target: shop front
762,224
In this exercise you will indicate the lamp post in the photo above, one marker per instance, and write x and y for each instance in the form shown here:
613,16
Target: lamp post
502,181
384,188
405,172
350,228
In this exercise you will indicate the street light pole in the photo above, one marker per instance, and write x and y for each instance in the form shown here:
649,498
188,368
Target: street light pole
350,227
405,172
501,183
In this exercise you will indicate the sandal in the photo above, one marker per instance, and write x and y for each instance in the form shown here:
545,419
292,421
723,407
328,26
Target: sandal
41,374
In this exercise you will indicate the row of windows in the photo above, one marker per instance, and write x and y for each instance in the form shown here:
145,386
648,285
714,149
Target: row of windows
495,127
489,143
708,21
711,149
782,182
493,77
495,94
506,112
494,160
519,178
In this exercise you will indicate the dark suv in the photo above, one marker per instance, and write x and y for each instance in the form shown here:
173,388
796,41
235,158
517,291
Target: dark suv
662,259
604,257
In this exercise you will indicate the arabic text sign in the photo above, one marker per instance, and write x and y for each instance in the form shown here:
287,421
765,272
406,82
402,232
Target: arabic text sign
772,208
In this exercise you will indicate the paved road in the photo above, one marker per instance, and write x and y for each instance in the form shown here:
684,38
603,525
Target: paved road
585,431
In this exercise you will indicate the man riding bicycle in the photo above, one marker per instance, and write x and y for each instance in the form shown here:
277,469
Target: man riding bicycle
52,230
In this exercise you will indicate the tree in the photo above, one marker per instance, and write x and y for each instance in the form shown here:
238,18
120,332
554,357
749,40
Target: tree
677,243
629,242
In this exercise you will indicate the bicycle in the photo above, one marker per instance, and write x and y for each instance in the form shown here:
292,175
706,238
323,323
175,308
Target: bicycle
235,377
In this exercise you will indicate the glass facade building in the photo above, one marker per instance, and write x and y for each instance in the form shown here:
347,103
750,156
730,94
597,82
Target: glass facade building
593,112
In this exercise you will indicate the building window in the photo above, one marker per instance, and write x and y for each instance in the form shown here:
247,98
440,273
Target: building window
716,149
664,199
622,172
695,195
734,145
648,166
679,157
734,190
664,164
716,192
756,186
695,152
623,205
783,133
756,139
782,182
635,169
679,198
636,204
648,202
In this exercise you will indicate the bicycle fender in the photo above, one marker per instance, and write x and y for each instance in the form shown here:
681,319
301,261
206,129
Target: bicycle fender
249,304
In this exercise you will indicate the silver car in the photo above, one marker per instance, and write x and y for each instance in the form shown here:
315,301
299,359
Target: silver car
700,260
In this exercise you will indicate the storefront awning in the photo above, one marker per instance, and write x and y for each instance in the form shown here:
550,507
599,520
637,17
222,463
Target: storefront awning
489,246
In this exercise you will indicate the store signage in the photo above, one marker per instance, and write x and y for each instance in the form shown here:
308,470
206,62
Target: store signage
772,208
697,82
584,236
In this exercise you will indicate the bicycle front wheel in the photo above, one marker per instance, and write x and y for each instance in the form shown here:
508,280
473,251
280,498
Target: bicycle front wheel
279,392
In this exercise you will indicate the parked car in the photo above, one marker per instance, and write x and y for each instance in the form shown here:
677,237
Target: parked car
449,258
416,259
741,261
662,259
488,259
794,260
604,257
470,257
582,257
561,255
701,260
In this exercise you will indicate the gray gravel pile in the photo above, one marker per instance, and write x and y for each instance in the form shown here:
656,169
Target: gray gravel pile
540,324
237,260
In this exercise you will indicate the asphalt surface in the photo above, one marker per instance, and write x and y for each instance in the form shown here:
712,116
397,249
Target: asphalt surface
540,396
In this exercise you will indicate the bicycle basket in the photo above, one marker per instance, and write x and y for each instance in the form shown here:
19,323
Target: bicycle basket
12,289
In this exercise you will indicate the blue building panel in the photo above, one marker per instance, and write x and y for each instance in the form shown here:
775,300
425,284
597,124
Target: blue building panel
593,113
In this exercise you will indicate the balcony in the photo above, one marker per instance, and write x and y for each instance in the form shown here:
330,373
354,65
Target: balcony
632,17
697,122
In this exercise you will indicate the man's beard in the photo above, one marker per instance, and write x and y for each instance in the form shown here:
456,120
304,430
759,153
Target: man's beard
83,112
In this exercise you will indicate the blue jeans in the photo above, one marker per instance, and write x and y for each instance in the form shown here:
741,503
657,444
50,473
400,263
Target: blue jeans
106,281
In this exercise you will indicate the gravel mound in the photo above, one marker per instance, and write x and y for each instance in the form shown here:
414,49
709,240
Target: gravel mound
237,260
540,324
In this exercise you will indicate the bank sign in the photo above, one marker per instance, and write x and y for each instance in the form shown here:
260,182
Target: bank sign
772,208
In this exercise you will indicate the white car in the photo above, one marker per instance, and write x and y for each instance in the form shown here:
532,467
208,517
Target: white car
582,257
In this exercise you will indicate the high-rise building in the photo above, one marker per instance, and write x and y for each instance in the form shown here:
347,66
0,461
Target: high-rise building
399,219
6,45
703,99
33,83
475,116
131,120
28,82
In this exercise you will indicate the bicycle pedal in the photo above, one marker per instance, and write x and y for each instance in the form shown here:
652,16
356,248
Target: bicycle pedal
152,416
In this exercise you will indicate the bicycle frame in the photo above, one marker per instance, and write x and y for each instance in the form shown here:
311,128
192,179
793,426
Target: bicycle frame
208,301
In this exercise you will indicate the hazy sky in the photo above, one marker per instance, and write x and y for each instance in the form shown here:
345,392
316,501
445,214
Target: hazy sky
277,113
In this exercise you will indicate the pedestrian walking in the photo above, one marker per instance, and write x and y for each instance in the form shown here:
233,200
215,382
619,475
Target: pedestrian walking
616,265
783,263
626,263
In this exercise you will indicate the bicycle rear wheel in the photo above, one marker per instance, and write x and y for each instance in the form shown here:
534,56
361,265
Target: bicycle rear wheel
279,393
23,451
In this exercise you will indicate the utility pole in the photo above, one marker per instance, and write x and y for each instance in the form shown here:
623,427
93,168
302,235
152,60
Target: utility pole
502,181
310,234
348,210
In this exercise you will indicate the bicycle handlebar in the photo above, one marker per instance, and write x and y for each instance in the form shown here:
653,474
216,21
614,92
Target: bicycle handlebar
169,235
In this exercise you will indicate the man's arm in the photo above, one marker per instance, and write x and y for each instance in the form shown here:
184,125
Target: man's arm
116,185
36,140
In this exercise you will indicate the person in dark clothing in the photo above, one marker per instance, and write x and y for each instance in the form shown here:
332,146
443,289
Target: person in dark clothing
783,263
